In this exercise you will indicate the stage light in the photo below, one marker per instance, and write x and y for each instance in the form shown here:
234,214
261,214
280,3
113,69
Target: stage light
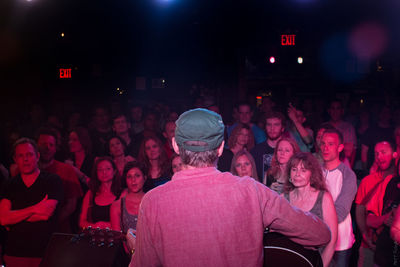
62,34
272,60
300,60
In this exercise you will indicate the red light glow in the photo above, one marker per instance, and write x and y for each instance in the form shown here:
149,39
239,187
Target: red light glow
272,60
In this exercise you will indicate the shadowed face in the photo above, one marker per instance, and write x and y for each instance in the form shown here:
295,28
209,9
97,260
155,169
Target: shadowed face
135,180
384,157
26,158
243,166
284,152
300,176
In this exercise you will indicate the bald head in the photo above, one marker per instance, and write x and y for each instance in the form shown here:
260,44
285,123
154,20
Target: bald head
385,155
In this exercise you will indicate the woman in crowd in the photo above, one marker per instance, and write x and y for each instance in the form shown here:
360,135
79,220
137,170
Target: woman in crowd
117,150
275,177
124,212
243,165
176,163
306,190
157,165
241,138
104,189
80,146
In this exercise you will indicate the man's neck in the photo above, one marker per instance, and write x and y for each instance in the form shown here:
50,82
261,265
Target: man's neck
272,143
335,123
30,178
45,165
389,171
333,164
126,137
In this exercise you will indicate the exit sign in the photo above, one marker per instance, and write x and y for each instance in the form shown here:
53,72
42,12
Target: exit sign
288,39
65,73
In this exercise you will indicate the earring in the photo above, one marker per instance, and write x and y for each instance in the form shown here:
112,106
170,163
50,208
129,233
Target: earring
290,180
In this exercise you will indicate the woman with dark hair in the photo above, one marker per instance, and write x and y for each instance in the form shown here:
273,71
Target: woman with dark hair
117,149
124,212
104,189
157,165
241,138
306,190
80,146
243,165
275,177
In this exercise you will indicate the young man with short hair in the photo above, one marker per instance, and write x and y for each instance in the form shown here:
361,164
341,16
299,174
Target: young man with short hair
262,153
342,184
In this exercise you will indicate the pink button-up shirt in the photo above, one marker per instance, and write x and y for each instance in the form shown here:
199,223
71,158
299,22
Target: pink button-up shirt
207,218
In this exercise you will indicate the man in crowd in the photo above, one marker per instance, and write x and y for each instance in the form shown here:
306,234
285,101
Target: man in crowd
28,207
47,141
245,113
381,210
385,158
207,218
336,112
121,127
100,131
169,133
383,131
342,184
262,153
297,131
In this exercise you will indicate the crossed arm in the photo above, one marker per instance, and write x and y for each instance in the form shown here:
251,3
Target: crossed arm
41,211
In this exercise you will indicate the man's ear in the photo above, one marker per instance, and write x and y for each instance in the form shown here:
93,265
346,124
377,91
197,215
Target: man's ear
175,145
340,148
221,148
395,155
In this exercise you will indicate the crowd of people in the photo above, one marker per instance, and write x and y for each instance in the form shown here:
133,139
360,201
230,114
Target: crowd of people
67,176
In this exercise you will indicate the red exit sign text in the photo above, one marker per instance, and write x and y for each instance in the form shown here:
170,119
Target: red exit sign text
65,73
288,39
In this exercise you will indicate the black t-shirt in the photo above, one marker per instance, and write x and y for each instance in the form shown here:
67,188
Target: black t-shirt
262,154
386,251
29,239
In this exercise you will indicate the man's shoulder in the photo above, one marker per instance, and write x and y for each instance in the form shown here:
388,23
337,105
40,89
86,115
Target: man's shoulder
204,183
346,170
370,178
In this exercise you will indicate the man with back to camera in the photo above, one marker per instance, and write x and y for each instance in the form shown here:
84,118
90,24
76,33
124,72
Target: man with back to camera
29,207
342,184
203,217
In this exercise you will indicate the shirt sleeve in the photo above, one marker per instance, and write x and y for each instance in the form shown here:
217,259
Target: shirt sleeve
301,227
346,196
145,253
